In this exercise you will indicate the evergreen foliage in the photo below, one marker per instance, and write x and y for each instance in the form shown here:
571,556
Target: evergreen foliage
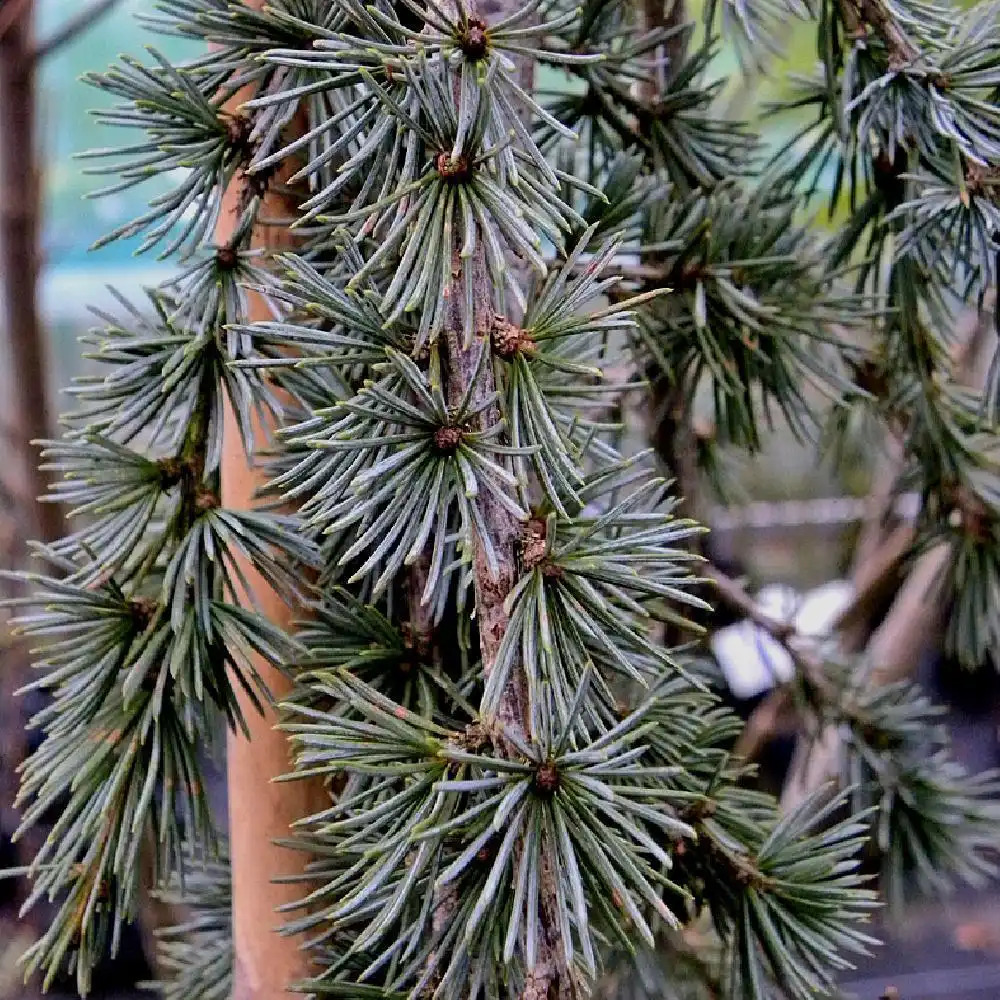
511,218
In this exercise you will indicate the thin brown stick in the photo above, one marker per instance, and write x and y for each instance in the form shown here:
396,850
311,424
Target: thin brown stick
261,810
766,716
676,47
913,622
874,579
26,392
878,506
736,596
763,723
859,15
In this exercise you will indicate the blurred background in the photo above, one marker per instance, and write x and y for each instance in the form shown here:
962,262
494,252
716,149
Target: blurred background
786,519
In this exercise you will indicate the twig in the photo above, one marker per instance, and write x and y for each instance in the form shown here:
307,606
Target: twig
878,506
815,762
873,581
737,597
75,26
763,723
676,46
973,327
764,719
877,16
895,646
670,55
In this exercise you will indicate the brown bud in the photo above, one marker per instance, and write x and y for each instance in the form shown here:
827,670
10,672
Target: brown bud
447,439
238,128
473,39
206,499
510,340
533,552
226,258
171,471
455,169
547,778
142,610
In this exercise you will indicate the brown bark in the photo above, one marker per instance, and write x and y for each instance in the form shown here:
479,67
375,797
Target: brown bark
27,413
550,977
24,413
260,809
913,622
491,591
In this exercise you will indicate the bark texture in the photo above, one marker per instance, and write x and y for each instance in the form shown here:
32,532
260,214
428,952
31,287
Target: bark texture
550,978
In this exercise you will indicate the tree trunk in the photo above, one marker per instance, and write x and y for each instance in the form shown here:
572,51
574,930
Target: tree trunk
24,413
261,810
26,416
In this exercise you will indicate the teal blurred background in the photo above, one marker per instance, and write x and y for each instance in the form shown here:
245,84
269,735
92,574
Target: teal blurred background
74,278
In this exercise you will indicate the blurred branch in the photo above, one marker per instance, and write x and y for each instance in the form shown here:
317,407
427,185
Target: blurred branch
873,586
10,14
913,620
797,646
75,26
974,328
874,579
23,383
763,723
765,717
894,647
676,47
738,598
892,650
879,506
24,397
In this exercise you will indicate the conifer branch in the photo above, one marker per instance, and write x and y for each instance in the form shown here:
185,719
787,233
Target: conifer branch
471,377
